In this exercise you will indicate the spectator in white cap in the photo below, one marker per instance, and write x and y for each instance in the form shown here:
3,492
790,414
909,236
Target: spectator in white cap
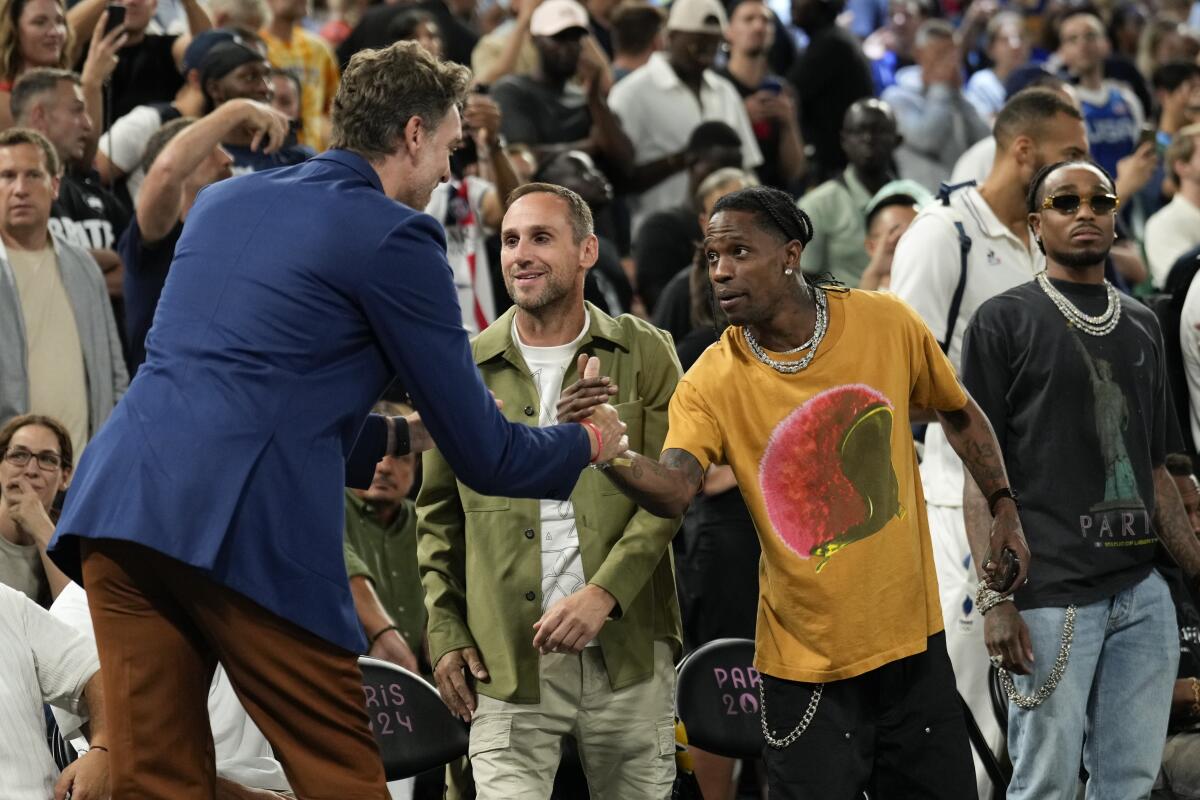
661,103
549,111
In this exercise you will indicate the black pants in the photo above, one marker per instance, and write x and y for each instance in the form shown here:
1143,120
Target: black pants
897,732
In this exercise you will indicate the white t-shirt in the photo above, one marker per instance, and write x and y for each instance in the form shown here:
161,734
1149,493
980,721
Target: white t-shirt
1189,340
659,114
243,754
473,283
925,272
1170,233
562,563
42,660
124,144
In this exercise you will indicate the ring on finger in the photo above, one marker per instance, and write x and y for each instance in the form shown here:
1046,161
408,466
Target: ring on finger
997,660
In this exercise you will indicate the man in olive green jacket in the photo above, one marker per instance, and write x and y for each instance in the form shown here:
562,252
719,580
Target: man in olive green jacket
563,615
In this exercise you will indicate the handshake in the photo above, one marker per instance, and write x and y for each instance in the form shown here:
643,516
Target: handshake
586,401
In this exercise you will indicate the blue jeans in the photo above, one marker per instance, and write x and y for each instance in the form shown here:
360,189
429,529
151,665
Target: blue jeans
1111,705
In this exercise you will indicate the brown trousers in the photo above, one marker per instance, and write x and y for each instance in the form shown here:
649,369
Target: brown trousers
161,627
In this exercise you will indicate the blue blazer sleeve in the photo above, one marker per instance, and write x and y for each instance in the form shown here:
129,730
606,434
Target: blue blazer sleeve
407,293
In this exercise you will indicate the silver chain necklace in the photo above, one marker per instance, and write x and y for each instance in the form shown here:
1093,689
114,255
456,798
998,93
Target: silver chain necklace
1056,672
819,329
801,726
1100,325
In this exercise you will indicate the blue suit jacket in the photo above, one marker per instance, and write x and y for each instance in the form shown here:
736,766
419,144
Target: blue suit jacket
295,297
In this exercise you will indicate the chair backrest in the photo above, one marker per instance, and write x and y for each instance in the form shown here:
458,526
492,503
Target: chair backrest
412,726
716,696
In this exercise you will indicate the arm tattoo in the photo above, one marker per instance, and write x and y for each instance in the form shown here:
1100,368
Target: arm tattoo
663,488
984,462
685,461
972,438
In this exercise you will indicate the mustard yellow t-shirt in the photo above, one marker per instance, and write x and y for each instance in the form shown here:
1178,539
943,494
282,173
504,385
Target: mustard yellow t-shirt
825,461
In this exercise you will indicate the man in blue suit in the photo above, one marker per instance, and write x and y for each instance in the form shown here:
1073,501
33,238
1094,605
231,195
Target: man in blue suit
206,517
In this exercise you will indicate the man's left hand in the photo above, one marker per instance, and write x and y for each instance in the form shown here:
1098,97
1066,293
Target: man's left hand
573,621
85,778
1006,533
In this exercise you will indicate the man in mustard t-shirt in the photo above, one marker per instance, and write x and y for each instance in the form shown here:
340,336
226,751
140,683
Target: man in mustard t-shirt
808,396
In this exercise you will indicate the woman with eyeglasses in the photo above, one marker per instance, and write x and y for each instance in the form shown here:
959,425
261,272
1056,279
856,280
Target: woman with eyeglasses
35,465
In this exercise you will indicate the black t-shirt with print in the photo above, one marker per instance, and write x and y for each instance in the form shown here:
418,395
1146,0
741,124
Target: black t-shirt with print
1082,423
87,214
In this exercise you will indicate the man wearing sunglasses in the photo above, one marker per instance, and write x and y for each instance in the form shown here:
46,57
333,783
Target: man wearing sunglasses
1036,127
1071,375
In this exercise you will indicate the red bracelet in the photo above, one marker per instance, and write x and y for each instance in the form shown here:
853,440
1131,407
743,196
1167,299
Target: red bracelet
587,423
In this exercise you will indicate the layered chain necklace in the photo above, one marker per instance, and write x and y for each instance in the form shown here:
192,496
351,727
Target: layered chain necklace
792,367
1101,325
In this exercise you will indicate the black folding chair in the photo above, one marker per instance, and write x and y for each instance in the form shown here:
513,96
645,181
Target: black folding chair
412,726
716,696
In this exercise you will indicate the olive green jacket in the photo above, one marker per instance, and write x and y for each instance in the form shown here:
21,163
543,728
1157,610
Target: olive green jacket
480,557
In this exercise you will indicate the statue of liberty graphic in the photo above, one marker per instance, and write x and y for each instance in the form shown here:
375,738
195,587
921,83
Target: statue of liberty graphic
1111,411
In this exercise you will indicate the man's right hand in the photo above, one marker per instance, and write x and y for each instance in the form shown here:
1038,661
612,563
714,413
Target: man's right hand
613,440
1007,635
268,129
454,685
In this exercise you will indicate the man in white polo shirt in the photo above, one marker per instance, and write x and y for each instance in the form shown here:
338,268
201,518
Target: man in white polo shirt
1036,127
1175,229
661,103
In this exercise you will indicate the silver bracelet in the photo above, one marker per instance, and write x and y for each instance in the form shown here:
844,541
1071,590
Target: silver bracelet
987,598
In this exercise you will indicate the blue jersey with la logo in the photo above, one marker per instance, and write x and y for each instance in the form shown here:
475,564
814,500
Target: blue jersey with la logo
1112,127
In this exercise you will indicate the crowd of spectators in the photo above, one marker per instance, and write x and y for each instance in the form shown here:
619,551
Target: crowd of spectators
908,130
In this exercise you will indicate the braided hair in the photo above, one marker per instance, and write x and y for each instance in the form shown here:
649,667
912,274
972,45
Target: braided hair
777,213
1035,186
774,212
